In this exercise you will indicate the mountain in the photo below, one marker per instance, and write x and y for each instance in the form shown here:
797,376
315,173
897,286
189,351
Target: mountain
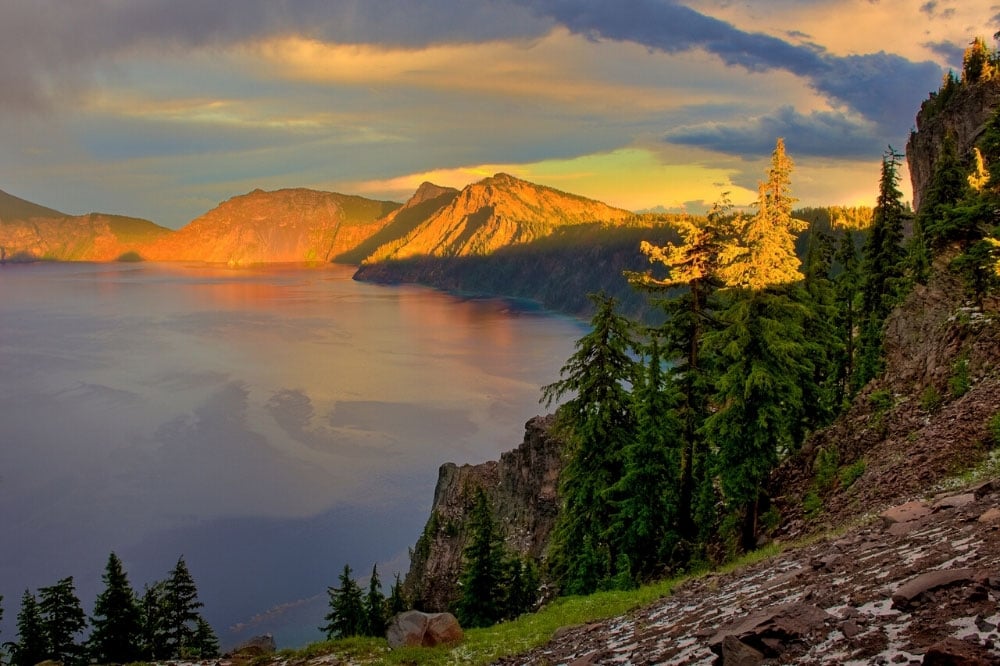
29,232
493,213
290,225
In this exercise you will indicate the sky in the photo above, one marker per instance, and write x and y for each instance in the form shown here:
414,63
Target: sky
164,108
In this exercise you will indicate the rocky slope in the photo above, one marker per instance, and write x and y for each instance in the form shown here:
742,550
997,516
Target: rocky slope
521,487
493,213
293,225
976,104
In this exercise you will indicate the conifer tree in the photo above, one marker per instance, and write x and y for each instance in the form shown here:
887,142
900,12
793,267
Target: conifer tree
32,646
480,603
204,643
598,420
347,608
762,354
116,621
63,620
179,606
847,285
645,496
935,224
520,589
397,601
375,606
153,638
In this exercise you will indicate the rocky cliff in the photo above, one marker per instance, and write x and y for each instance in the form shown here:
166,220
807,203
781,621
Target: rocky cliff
963,113
521,487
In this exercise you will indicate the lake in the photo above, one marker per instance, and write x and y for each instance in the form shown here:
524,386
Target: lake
269,425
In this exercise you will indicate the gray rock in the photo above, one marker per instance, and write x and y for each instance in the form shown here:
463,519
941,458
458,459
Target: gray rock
416,629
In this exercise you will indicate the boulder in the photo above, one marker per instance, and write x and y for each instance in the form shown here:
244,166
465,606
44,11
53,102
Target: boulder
256,646
990,516
955,652
954,501
910,593
416,629
737,653
905,513
770,630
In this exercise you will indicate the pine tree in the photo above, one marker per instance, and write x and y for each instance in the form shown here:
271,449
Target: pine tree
644,498
598,420
32,646
347,608
397,601
62,620
480,602
375,606
935,224
179,605
153,644
204,643
847,284
520,589
116,622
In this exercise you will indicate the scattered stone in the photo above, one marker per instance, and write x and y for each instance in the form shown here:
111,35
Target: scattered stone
737,653
256,647
587,660
927,582
905,513
413,629
955,652
563,631
954,501
784,622
981,490
990,516
850,629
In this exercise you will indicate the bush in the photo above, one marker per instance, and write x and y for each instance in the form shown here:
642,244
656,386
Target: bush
851,473
930,399
959,383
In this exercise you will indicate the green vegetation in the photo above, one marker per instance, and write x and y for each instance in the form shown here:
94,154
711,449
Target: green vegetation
993,427
164,624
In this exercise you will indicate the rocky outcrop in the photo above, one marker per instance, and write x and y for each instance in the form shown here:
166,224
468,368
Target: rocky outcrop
416,629
521,487
866,597
963,115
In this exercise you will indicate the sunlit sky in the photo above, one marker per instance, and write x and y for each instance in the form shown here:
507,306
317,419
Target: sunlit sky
163,108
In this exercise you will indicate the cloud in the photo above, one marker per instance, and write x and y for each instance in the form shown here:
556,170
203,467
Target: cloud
952,53
882,87
822,134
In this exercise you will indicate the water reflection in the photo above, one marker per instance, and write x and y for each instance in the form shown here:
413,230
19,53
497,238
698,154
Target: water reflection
269,424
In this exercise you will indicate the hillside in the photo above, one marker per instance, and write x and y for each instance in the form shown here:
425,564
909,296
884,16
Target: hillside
493,213
292,225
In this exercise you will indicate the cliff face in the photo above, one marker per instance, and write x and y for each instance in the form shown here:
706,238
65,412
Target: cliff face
93,237
521,488
963,115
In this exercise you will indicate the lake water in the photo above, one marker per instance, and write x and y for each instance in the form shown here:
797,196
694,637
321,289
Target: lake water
269,425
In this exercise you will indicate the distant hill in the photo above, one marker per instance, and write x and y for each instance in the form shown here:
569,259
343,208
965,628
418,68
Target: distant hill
29,232
290,225
493,213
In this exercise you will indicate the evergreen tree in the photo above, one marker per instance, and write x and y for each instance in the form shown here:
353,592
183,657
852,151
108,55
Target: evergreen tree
62,620
882,267
116,621
847,284
347,608
153,643
179,606
935,221
644,497
397,601
762,354
204,643
977,62
480,602
598,420
375,606
32,646
520,590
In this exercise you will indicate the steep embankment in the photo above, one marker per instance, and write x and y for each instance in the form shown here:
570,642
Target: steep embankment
293,225
29,232
521,487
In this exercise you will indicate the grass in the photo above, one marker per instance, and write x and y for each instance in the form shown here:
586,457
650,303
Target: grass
481,646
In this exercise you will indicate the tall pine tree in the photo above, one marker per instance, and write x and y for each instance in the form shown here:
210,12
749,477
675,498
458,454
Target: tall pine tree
179,606
63,620
347,608
116,620
480,603
32,645
375,619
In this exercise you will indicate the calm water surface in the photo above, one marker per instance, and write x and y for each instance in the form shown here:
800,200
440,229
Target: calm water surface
268,425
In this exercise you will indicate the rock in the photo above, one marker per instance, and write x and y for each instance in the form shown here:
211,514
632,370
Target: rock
782,622
990,516
587,659
954,501
737,653
905,513
981,490
416,629
255,647
955,652
912,591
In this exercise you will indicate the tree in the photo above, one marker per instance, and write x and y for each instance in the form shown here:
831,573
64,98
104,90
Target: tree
204,643
153,644
480,602
116,621
375,607
645,497
347,608
762,354
62,620
397,601
179,605
32,646
977,62
598,420
520,591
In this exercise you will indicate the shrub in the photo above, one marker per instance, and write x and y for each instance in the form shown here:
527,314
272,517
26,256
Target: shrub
851,473
959,383
930,399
